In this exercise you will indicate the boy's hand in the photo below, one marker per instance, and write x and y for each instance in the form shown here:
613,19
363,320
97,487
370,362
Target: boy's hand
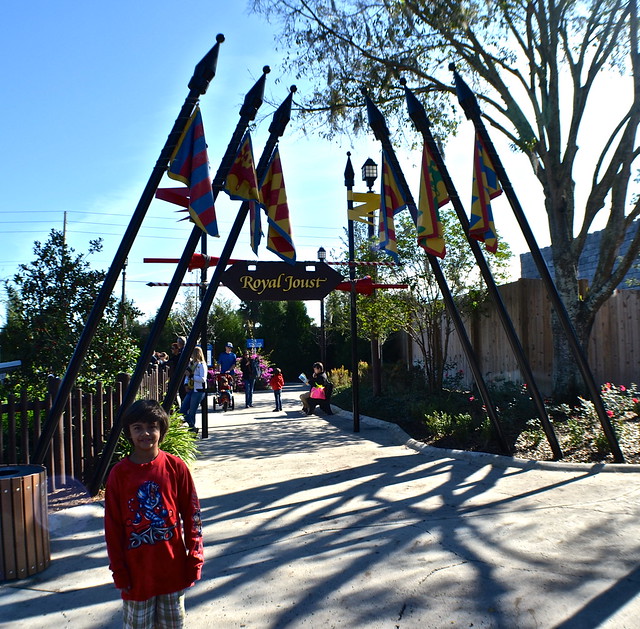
193,573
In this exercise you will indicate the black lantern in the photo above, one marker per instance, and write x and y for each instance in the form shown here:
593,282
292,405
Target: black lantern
369,173
322,254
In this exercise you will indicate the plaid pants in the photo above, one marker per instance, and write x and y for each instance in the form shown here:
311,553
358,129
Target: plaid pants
160,612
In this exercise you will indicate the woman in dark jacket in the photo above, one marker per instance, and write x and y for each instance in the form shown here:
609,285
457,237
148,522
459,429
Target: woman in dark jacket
318,379
250,367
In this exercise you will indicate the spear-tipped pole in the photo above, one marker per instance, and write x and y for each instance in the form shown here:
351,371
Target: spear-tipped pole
205,71
349,179
379,127
420,120
469,104
280,120
252,102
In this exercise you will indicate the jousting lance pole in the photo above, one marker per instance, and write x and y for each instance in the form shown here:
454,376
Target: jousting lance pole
381,132
280,120
248,111
420,120
469,104
204,72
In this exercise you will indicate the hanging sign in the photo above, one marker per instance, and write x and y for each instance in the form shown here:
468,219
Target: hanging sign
281,281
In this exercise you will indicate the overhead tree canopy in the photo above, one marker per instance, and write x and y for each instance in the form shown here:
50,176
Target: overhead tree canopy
536,65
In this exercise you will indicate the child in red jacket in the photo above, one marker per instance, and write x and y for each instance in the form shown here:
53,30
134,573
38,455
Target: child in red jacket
276,382
152,523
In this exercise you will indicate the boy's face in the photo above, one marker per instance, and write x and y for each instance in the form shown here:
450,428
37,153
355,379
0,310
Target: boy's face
145,437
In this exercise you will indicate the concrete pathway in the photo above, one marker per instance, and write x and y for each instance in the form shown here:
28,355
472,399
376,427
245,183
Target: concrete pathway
308,524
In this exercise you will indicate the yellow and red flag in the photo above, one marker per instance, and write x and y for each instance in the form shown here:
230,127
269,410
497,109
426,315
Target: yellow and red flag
274,199
391,202
433,195
242,181
485,187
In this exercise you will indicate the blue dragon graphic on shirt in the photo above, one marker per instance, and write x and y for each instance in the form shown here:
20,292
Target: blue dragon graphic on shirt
148,506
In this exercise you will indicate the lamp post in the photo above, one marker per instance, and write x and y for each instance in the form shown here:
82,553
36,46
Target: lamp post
322,256
369,175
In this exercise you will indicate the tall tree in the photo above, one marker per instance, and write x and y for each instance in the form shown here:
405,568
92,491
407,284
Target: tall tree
224,322
537,65
48,302
426,319
285,328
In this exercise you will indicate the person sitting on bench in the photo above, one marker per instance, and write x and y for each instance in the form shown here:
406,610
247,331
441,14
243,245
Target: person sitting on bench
322,386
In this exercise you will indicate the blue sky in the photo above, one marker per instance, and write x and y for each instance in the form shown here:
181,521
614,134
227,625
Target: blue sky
91,91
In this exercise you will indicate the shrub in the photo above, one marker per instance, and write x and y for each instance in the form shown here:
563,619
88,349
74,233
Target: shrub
461,427
340,378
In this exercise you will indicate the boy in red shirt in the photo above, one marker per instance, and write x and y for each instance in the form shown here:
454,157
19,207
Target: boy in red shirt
276,382
152,524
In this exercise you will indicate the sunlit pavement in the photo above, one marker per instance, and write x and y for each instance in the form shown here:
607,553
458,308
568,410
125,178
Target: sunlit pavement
310,524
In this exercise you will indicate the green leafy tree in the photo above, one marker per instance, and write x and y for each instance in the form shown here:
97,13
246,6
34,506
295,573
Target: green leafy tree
379,314
426,320
286,329
537,66
224,322
48,302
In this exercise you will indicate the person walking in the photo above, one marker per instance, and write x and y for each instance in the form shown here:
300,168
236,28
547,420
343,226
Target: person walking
276,382
250,367
227,359
152,524
195,380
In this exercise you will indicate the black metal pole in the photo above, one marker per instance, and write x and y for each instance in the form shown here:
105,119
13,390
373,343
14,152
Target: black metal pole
280,120
381,132
471,109
322,256
203,73
349,179
252,102
204,405
420,120
323,338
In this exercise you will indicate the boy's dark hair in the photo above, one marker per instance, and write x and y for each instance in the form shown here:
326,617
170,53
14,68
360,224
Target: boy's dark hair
145,411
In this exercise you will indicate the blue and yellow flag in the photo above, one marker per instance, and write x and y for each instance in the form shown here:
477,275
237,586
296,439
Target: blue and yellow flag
190,165
274,198
242,181
391,202
485,187
433,195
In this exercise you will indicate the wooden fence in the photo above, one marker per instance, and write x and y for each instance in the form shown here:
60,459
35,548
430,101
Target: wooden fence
82,429
614,346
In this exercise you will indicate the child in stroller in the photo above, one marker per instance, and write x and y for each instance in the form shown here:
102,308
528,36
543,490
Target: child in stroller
223,395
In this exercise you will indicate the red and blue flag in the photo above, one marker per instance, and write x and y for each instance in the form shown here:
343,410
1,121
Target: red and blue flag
190,165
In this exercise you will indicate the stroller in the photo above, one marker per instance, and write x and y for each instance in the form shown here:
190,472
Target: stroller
223,391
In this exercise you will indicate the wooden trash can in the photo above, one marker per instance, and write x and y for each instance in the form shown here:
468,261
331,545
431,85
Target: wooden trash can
25,547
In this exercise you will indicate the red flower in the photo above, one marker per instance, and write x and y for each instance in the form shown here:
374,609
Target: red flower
610,413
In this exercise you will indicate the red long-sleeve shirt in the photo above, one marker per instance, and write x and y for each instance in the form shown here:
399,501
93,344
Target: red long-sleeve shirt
276,382
150,553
